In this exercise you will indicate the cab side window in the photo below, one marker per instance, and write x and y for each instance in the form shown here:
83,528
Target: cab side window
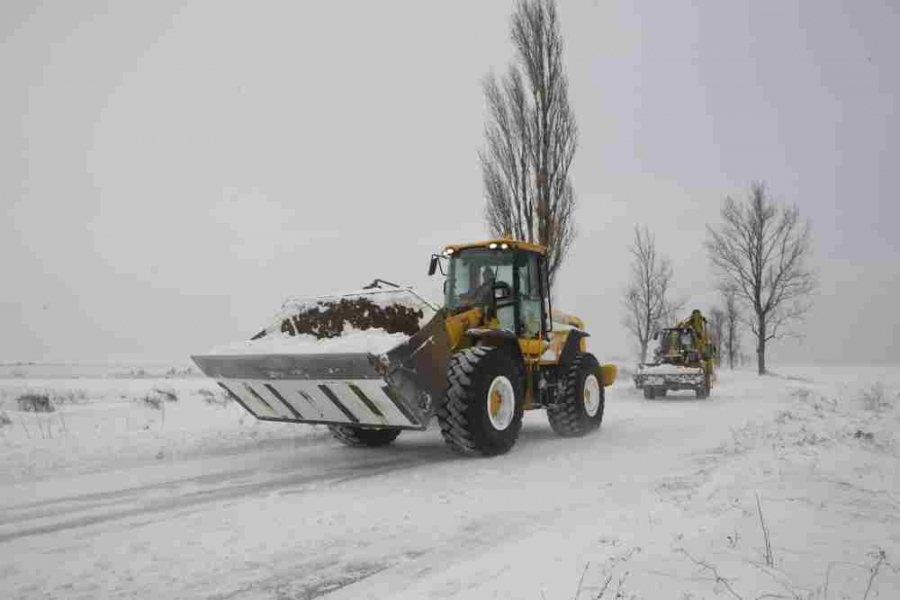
506,314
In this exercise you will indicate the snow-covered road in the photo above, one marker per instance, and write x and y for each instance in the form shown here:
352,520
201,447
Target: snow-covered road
660,503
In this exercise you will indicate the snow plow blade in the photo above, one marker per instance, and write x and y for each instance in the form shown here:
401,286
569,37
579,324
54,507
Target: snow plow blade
397,389
671,376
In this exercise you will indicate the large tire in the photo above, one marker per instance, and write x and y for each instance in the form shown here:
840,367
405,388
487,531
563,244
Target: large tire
482,412
581,409
703,391
649,393
356,436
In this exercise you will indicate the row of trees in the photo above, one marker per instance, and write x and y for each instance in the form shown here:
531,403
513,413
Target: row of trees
531,137
760,253
649,304
725,321
759,250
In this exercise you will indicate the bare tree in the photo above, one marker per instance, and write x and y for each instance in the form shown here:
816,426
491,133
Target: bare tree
646,300
731,343
717,329
531,137
761,250
671,311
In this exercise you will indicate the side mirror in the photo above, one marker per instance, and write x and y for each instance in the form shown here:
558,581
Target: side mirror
432,267
656,334
502,291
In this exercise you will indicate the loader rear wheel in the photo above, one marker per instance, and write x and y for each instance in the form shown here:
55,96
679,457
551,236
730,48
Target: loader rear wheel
355,436
482,413
649,393
581,410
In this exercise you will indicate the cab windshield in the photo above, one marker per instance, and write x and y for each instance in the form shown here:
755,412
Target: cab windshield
472,273
675,341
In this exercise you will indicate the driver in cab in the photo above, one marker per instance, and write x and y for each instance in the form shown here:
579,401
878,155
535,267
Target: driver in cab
483,294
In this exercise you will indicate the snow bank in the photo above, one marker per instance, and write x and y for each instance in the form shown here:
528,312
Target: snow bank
107,421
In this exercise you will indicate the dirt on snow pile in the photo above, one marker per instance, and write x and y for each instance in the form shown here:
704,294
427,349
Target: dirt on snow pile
328,319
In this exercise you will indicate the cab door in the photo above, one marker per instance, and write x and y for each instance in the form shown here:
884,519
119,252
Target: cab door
530,318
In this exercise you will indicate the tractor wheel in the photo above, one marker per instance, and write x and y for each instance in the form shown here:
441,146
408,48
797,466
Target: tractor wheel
649,393
581,410
702,392
356,436
482,413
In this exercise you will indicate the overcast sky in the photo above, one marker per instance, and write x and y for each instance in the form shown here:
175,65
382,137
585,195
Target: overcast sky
169,172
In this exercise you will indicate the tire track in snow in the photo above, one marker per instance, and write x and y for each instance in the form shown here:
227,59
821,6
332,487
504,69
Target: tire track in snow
335,579
85,510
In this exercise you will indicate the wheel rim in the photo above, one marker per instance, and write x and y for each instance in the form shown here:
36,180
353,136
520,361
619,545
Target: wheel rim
501,402
591,395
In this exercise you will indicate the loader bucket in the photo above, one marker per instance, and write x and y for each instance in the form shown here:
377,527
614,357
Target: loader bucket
293,382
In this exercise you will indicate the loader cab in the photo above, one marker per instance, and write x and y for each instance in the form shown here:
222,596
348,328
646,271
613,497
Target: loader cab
505,278
678,343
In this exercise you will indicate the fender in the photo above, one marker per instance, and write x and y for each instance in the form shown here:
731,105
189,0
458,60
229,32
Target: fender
572,347
501,339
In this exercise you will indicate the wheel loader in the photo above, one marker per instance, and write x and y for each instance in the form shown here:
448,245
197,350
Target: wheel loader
374,362
684,360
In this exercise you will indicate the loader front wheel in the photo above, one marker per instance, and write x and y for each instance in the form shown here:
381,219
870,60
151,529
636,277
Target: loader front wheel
702,392
581,410
356,436
482,413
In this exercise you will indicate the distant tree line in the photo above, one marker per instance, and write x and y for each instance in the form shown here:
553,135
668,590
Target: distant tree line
760,249
760,252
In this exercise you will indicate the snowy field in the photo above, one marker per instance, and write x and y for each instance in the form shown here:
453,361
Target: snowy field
148,483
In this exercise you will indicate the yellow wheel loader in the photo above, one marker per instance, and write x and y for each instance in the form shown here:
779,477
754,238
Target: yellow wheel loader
374,362
684,360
